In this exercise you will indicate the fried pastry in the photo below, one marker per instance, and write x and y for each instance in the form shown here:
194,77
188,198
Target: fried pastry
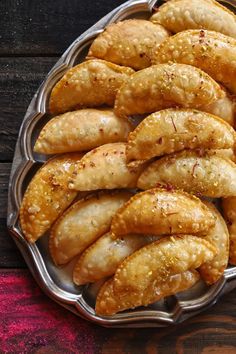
82,224
89,84
210,51
219,236
226,153
109,303
229,210
81,130
102,258
128,43
181,15
224,108
162,212
105,168
164,86
155,263
173,130
208,175
47,195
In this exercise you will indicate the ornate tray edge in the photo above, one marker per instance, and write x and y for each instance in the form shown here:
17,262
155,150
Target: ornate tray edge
22,162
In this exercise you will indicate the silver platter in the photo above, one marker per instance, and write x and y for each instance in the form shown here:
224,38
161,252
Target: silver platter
57,282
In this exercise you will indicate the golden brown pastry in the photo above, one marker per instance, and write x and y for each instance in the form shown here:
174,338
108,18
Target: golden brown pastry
226,153
108,302
47,195
162,212
155,263
82,224
229,210
173,130
164,86
210,51
81,130
180,15
219,236
207,175
102,258
128,43
105,168
224,108
89,84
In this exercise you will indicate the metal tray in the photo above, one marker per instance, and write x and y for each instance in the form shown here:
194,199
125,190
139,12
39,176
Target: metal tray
57,282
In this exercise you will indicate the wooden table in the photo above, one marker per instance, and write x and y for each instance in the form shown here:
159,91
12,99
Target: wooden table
33,35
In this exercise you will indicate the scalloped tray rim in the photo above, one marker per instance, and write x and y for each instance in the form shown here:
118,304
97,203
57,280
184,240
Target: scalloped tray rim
24,160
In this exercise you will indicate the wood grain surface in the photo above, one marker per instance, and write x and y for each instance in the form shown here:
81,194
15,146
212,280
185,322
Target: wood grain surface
19,79
47,28
33,35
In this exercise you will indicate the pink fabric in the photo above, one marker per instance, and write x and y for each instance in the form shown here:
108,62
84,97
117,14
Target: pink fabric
32,323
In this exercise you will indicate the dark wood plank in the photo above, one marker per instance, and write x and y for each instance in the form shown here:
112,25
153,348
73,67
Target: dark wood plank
31,323
19,80
5,169
10,257
32,27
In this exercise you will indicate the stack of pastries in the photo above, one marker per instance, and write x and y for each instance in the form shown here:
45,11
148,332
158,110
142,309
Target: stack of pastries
142,132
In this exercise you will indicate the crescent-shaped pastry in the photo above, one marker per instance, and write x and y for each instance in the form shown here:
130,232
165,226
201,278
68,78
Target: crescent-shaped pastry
209,175
155,263
47,195
105,168
128,43
109,303
226,153
229,210
102,258
164,86
89,84
224,108
82,224
162,212
81,130
210,51
173,130
219,236
181,15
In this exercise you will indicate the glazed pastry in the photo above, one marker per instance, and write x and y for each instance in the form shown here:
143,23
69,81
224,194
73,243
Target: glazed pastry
162,212
155,263
105,168
82,224
81,130
164,86
89,84
109,303
128,43
173,130
102,258
47,196
207,175
219,236
229,210
224,108
210,51
226,153
180,15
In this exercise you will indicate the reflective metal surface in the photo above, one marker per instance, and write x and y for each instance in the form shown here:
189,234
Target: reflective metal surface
57,282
